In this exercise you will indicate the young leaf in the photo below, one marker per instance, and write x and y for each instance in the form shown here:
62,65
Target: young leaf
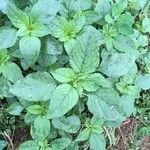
70,124
30,48
11,72
94,81
63,99
29,145
64,75
34,87
83,135
40,128
7,37
35,109
97,142
60,144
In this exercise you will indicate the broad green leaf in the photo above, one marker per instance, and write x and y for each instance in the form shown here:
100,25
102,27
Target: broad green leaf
3,144
60,144
127,103
84,57
105,103
117,64
81,5
30,48
64,75
119,7
4,87
51,52
143,81
94,81
146,24
17,17
124,44
70,124
15,109
73,146
103,7
29,145
7,37
125,23
34,87
29,118
69,45
11,72
4,5
40,128
45,10
63,99
35,109
83,135
53,46
97,142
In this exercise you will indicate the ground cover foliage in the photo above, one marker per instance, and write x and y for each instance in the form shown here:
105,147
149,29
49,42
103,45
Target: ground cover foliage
72,71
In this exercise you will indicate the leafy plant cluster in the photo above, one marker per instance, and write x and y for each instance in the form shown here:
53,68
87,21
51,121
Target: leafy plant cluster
72,69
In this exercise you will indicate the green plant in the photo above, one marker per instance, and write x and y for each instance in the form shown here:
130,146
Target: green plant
73,68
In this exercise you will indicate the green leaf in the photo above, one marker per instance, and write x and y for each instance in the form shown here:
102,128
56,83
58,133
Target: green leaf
30,48
105,103
11,72
3,144
3,57
84,57
117,64
83,135
143,81
4,87
102,7
40,30
29,118
119,7
63,99
97,142
124,44
4,5
15,109
64,75
17,17
146,24
40,128
81,5
34,87
60,144
29,145
94,81
44,11
35,109
96,125
70,124
7,37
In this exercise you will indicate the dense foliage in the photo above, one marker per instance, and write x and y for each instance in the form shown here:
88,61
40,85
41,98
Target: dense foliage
72,69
